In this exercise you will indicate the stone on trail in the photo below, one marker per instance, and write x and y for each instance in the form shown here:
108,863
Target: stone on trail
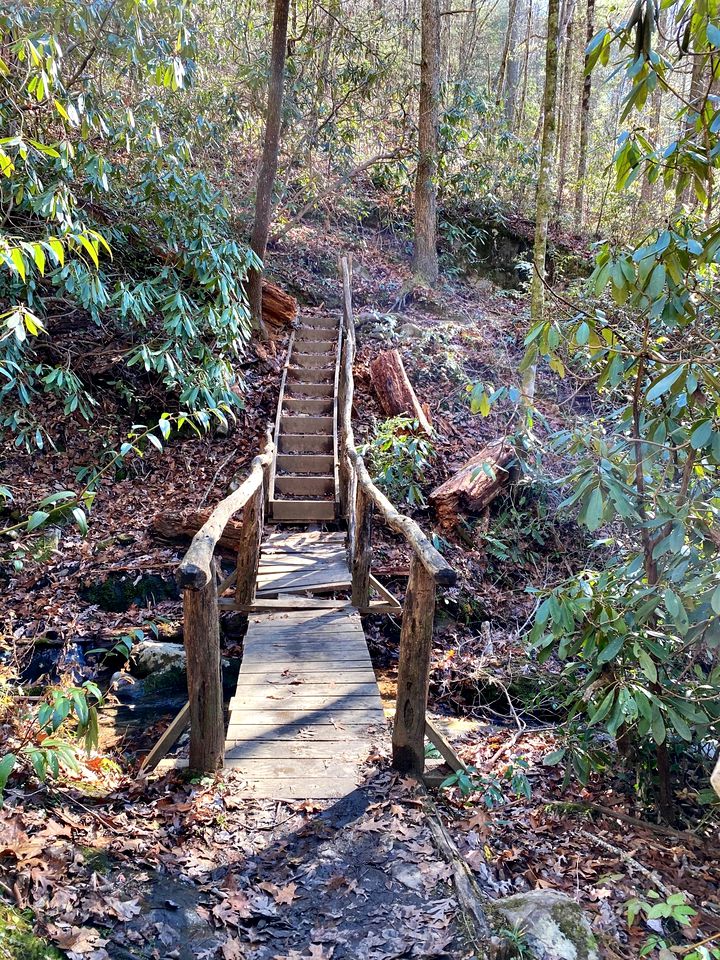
155,656
554,926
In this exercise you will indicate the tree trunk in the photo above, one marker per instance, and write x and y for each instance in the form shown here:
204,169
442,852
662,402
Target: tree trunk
269,160
502,69
512,73
425,258
696,100
566,106
580,195
546,179
526,62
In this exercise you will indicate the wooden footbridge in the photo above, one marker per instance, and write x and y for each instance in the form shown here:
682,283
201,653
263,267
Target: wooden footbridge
307,705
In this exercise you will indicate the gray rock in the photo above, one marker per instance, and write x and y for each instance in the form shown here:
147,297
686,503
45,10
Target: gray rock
157,656
554,926
410,331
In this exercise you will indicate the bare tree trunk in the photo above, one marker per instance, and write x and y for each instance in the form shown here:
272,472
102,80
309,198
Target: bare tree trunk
425,259
512,75
582,169
269,160
546,179
500,79
696,100
646,191
566,107
526,62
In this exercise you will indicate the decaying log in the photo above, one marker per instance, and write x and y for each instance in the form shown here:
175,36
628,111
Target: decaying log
475,484
394,390
279,308
195,569
185,528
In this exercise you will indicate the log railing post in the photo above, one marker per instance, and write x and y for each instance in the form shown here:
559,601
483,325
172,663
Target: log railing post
408,739
351,511
249,548
202,647
362,552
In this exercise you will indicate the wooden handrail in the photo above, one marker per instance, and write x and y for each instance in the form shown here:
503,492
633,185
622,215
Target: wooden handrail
428,568
429,556
201,610
195,570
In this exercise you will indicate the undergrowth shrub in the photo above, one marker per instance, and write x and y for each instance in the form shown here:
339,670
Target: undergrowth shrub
398,454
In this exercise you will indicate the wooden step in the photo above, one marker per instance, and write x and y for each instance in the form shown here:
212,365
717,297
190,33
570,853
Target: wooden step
301,424
324,362
309,375
302,511
297,391
315,346
305,443
313,333
326,323
305,463
312,405
295,486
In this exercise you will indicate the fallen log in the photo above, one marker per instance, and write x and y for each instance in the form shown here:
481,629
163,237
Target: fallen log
394,390
474,485
185,527
279,308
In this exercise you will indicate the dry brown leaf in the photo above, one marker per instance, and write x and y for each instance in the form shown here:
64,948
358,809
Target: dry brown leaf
286,894
232,949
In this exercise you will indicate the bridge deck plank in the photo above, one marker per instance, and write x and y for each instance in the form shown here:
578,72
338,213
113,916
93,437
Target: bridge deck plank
307,707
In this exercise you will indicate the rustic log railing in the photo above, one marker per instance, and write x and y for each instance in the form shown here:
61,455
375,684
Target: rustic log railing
201,611
360,502
360,499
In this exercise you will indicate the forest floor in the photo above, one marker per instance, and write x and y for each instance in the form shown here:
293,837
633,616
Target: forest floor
115,866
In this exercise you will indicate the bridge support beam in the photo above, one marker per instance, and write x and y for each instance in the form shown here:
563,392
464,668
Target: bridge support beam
408,740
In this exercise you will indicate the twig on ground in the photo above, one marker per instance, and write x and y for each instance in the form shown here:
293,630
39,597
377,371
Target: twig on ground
625,857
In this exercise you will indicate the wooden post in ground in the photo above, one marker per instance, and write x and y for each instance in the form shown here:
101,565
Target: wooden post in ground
249,549
408,740
202,647
362,552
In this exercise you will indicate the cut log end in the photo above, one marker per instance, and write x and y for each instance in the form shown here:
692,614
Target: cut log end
279,308
474,485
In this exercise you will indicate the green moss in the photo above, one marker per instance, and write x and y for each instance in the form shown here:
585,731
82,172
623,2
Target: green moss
17,940
120,591
167,681
569,919
97,860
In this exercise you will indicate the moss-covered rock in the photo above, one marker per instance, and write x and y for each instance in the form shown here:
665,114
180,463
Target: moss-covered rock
120,591
18,940
554,926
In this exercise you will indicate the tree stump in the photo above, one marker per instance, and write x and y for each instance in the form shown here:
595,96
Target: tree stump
394,390
279,308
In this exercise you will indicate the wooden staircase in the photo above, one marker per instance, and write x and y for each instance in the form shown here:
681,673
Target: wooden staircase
303,483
